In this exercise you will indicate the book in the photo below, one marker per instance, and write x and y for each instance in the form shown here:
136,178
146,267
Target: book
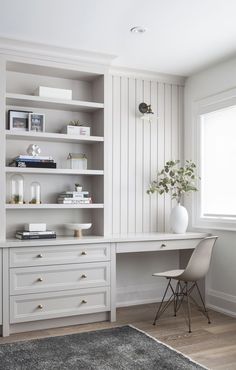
30,237
74,196
29,157
47,232
74,201
33,164
34,160
75,192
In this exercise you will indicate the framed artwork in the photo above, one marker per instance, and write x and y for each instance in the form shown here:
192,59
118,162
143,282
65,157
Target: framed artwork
18,120
37,122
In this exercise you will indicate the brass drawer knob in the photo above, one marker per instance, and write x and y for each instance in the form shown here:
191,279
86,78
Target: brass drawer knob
40,279
83,253
40,306
83,301
163,245
40,255
83,276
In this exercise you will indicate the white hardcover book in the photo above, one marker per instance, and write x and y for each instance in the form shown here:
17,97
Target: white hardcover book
35,227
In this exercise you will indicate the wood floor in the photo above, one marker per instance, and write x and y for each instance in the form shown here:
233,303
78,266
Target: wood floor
211,345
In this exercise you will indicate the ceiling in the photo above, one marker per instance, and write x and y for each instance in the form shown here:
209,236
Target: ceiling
183,36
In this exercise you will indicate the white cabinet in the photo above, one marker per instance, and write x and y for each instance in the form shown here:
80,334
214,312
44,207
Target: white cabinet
59,281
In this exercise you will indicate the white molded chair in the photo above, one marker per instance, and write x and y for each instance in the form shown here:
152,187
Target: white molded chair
196,269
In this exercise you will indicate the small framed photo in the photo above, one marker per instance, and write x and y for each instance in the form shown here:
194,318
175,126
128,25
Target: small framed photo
18,120
37,122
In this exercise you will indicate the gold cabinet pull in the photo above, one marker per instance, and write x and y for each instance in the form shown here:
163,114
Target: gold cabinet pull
163,245
83,253
40,279
40,255
40,306
83,276
84,301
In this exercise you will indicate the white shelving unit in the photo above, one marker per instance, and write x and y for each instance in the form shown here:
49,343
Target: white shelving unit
48,103
53,137
21,79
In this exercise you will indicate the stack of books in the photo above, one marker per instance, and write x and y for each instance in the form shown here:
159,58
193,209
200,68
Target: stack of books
74,197
39,161
29,235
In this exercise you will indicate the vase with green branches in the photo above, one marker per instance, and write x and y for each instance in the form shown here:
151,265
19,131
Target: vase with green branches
177,181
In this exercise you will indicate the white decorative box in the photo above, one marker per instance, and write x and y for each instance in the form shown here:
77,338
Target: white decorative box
51,92
35,227
76,130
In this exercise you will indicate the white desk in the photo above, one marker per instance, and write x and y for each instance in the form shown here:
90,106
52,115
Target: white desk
67,281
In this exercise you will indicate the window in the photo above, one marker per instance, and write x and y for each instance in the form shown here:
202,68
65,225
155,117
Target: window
215,203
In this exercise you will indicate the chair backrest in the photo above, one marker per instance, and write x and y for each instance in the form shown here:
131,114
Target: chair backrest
199,262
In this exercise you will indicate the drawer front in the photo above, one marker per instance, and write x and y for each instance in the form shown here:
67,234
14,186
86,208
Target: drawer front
162,245
33,307
38,256
24,280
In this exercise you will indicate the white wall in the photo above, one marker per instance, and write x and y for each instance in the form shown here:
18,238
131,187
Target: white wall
221,282
138,149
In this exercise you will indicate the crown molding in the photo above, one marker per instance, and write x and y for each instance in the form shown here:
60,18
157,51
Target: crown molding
147,75
22,48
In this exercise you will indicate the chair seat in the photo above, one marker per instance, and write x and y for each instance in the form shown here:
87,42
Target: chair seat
169,274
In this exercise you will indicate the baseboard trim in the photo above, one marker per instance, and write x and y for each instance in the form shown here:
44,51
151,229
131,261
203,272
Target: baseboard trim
221,302
138,302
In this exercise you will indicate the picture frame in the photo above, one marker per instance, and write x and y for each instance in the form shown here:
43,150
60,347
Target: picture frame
18,120
37,122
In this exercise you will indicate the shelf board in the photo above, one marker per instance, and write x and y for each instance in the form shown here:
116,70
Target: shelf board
49,103
47,136
54,206
53,171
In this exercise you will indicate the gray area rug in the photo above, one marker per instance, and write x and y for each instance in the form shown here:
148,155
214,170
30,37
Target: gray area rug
118,348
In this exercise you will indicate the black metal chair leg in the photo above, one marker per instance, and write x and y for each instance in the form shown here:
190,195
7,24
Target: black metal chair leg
203,304
189,310
159,309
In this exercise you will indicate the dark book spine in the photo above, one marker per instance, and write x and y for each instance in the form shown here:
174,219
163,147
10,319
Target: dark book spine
34,164
30,237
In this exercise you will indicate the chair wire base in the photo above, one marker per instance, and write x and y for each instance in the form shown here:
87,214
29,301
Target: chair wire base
182,290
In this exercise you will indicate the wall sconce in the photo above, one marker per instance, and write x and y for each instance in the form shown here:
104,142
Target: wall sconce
146,110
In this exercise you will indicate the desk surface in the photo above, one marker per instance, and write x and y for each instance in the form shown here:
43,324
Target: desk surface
118,238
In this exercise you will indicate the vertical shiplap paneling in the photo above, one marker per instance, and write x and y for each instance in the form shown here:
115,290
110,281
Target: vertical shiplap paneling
146,160
174,127
181,121
116,165
161,153
153,155
139,160
124,156
131,154
167,146
140,149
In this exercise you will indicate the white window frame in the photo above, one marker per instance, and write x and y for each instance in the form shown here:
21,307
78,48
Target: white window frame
215,102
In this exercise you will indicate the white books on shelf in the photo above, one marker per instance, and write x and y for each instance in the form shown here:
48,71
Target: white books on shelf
51,92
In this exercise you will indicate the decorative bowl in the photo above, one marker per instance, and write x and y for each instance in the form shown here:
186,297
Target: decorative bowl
78,228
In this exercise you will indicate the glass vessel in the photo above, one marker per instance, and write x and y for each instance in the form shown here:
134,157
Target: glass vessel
17,189
35,193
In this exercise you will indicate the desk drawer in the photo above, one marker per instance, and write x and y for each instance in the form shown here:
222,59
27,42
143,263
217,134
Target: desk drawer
38,256
149,246
26,280
33,307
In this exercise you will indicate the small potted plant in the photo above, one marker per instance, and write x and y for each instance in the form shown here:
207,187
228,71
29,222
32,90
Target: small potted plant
177,181
78,187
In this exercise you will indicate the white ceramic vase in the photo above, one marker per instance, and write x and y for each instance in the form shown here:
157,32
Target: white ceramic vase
179,219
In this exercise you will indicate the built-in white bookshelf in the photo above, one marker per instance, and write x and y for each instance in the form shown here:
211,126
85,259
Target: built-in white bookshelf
21,79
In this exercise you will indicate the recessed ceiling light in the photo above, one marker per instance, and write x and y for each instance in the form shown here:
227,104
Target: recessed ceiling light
138,29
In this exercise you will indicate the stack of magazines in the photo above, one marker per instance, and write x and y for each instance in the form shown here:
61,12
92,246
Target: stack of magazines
39,161
29,235
74,197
